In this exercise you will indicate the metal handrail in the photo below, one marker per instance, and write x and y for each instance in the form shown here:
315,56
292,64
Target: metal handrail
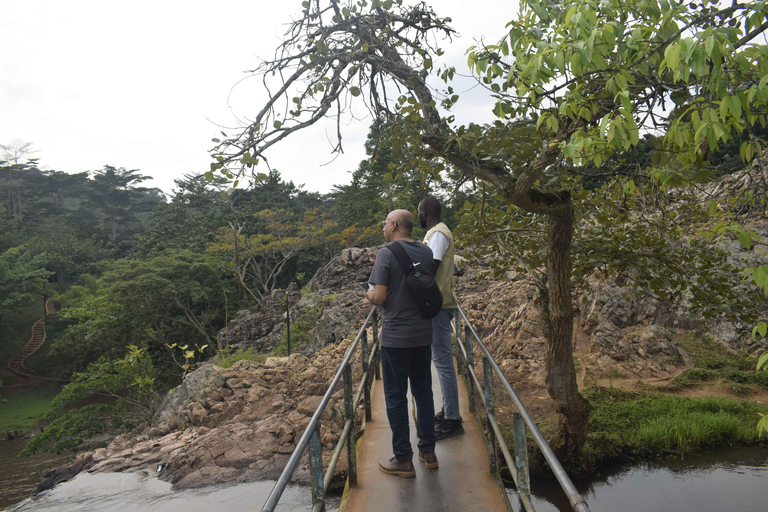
519,464
311,436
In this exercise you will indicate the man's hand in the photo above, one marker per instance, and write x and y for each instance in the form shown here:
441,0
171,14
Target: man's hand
378,295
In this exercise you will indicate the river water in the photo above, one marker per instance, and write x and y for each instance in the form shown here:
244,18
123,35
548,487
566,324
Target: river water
19,477
140,492
733,479
724,480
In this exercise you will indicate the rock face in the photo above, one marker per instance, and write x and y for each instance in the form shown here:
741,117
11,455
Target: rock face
234,424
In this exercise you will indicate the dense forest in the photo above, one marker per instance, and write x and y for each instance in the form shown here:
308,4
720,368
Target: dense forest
127,265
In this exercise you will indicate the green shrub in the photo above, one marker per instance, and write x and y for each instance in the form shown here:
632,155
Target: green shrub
225,360
68,432
646,423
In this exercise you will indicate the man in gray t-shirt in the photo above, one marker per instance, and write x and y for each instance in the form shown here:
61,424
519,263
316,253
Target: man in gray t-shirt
406,339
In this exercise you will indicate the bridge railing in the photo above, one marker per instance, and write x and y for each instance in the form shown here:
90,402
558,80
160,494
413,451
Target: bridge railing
517,464
311,437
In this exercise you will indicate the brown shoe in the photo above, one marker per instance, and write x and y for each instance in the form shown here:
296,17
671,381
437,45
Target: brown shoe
395,467
429,459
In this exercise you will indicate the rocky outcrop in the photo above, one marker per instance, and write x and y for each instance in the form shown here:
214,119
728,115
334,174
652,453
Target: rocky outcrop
234,424
331,299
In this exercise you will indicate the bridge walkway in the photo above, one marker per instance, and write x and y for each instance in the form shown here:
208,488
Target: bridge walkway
462,482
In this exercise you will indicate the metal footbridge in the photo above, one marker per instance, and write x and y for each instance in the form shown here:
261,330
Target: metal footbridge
468,475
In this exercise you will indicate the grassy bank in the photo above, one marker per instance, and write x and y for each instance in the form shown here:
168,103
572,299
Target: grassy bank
22,411
651,425
713,364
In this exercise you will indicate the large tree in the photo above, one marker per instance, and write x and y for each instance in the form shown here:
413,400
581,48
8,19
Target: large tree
16,164
114,192
589,76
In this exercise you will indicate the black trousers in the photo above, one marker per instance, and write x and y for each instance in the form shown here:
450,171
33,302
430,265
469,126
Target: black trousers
399,366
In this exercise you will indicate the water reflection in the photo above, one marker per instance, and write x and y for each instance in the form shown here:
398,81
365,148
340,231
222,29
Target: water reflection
732,479
19,476
142,491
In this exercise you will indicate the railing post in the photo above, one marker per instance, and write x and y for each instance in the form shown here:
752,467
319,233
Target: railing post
470,364
521,458
367,383
489,411
350,415
377,344
316,469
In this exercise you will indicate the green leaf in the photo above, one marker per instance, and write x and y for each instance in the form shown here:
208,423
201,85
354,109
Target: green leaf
734,104
709,44
277,125
354,91
672,55
680,96
762,363
699,62
745,239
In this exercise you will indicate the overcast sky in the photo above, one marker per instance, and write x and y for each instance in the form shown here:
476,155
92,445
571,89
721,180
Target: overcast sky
146,84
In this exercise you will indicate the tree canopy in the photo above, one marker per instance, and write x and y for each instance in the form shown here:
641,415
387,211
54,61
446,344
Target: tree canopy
586,79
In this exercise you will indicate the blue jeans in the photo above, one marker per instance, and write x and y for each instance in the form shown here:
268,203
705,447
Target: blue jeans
442,355
398,367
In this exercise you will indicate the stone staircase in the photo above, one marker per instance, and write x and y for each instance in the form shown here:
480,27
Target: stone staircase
16,362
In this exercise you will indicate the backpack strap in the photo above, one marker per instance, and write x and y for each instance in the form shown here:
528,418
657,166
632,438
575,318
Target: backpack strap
402,257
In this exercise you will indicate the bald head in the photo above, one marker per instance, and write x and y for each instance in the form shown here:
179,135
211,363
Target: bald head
399,225
404,221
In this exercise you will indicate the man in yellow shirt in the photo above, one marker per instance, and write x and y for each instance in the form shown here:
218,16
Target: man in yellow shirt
440,240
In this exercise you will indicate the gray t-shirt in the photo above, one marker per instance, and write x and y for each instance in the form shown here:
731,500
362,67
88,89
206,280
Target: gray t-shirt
402,323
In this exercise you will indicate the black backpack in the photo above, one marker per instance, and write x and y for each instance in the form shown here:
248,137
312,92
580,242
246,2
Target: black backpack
421,283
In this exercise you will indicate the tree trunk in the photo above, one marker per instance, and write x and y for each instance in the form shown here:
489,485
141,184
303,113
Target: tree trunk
556,310
113,222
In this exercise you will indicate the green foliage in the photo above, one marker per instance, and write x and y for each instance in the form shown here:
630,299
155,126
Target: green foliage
623,233
68,431
762,425
66,256
130,380
713,362
652,424
187,222
114,194
22,276
225,360
708,354
613,56
157,302
302,326
260,259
